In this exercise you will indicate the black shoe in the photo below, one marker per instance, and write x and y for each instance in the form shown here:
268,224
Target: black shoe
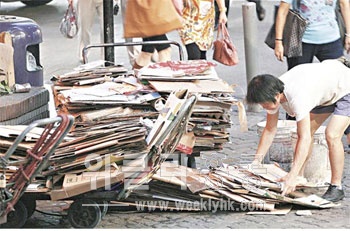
116,9
260,11
333,194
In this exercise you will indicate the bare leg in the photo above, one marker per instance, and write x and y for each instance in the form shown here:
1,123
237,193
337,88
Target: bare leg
334,133
143,59
316,121
164,55
133,51
86,14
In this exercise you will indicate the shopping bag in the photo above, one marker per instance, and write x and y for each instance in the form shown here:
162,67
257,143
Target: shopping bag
147,18
341,22
293,32
224,50
69,26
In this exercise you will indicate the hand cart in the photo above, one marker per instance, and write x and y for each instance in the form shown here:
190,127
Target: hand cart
88,208
13,210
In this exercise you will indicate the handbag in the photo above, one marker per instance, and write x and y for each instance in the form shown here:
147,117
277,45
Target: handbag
69,26
224,50
341,22
293,32
147,18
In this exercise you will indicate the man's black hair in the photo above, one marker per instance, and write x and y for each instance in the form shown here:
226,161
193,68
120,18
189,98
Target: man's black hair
264,88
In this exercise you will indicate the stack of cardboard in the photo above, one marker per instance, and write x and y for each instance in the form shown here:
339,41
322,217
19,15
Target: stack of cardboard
211,115
209,121
99,88
114,114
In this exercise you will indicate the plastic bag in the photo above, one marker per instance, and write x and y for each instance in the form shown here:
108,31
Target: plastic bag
69,25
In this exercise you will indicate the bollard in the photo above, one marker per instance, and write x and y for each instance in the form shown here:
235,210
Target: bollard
108,30
250,45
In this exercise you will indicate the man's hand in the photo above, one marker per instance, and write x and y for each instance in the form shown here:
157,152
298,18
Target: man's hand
256,162
289,183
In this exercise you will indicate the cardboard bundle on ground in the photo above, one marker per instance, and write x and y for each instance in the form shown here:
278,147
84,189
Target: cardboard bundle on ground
228,188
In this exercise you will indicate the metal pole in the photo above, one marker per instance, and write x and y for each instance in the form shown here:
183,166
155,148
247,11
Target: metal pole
250,45
108,29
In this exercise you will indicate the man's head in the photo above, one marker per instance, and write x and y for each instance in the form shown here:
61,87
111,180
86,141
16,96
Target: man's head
264,89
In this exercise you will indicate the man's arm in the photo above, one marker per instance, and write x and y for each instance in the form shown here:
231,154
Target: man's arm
300,154
267,137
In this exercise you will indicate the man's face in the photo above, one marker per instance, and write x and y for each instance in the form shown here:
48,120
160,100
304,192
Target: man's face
270,107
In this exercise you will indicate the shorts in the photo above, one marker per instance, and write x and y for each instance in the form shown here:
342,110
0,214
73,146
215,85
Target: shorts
158,47
347,130
341,107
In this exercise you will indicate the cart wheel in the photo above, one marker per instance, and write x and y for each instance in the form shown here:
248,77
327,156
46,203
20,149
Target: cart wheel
30,204
18,217
103,208
84,213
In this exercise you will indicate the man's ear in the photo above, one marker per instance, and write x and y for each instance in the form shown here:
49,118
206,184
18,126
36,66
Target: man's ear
279,97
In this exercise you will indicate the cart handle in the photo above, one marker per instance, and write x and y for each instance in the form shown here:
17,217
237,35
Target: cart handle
181,54
37,123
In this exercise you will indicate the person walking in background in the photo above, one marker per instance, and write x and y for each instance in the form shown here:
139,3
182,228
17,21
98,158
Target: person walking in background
260,11
87,11
147,51
311,92
133,51
197,33
322,37
151,20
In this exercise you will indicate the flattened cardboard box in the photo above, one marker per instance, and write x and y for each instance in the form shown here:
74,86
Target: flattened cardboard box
171,108
75,184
